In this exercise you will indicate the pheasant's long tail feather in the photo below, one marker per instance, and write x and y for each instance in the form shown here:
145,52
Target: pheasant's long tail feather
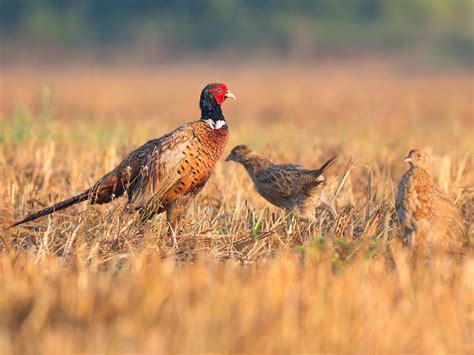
54,208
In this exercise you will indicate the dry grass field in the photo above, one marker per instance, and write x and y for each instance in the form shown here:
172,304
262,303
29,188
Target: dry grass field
242,278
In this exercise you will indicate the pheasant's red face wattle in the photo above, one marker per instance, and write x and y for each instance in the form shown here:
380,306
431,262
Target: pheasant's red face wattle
219,91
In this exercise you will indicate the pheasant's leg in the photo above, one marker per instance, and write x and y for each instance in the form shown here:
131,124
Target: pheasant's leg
289,221
408,237
326,204
174,216
145,213
305,219
139,221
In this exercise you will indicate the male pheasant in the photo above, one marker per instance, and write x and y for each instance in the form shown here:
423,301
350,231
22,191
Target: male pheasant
287,186
165,173
429,219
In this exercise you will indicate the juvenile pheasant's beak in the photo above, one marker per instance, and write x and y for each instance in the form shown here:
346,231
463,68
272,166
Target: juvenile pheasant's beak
229,158
407,159
229,95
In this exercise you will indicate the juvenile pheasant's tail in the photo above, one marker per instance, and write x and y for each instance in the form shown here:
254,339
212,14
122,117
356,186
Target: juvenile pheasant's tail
327,164
324,201
56,207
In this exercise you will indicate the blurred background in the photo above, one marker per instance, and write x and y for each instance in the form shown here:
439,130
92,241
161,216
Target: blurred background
438,32
345,69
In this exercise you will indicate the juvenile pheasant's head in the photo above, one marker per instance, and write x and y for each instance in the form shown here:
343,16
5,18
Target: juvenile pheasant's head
239,153
418,158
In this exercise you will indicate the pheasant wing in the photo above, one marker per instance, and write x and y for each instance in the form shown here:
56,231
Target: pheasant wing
134,170
448,217
283,184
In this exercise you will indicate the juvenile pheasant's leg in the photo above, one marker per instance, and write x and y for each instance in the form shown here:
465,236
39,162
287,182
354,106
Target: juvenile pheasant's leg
289,220
327,205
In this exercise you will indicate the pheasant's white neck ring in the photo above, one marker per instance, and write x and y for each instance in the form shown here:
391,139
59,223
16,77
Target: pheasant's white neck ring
216,124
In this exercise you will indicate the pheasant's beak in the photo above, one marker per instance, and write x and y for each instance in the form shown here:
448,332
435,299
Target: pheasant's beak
229,95
408,159
229,158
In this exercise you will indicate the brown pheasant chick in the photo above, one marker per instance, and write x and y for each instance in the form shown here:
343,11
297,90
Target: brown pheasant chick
287,186
429,219
164,174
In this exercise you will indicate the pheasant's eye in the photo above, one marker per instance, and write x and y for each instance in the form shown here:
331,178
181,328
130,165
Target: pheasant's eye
219,90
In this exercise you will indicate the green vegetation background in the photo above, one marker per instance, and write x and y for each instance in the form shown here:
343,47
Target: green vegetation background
436,27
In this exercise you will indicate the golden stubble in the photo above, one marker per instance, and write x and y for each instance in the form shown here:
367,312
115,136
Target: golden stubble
243,277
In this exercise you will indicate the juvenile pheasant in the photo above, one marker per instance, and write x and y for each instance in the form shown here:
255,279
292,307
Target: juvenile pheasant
425,212
288,186
165,173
